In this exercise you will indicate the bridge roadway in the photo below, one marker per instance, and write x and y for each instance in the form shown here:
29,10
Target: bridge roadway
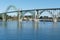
32,10
36,13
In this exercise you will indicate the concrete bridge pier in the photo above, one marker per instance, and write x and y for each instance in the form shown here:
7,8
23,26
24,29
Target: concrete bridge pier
19,16
54,19
36,19
4,17
36,16
19,19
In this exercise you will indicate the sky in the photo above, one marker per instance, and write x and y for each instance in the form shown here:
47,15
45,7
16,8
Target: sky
29,4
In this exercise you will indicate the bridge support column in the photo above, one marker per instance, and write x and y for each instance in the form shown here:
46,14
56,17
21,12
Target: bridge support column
36,19
19,15
55,19
19,19
4,17
36,16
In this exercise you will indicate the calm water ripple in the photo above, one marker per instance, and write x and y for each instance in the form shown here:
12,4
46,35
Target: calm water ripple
27,30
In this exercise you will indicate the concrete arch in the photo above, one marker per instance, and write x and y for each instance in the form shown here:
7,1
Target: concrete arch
46,11
14,8
58,14
31,12
11,6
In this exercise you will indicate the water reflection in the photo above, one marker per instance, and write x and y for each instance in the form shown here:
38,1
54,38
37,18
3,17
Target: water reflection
19,24
55,24
35,25
36,28
30,30
4,24
19,30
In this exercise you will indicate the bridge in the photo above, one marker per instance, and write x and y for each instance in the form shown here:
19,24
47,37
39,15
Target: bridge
35,12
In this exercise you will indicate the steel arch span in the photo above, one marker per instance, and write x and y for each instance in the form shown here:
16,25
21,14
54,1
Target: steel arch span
49,12
11,6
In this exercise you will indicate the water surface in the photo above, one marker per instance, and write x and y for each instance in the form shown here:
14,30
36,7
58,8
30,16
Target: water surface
12,30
